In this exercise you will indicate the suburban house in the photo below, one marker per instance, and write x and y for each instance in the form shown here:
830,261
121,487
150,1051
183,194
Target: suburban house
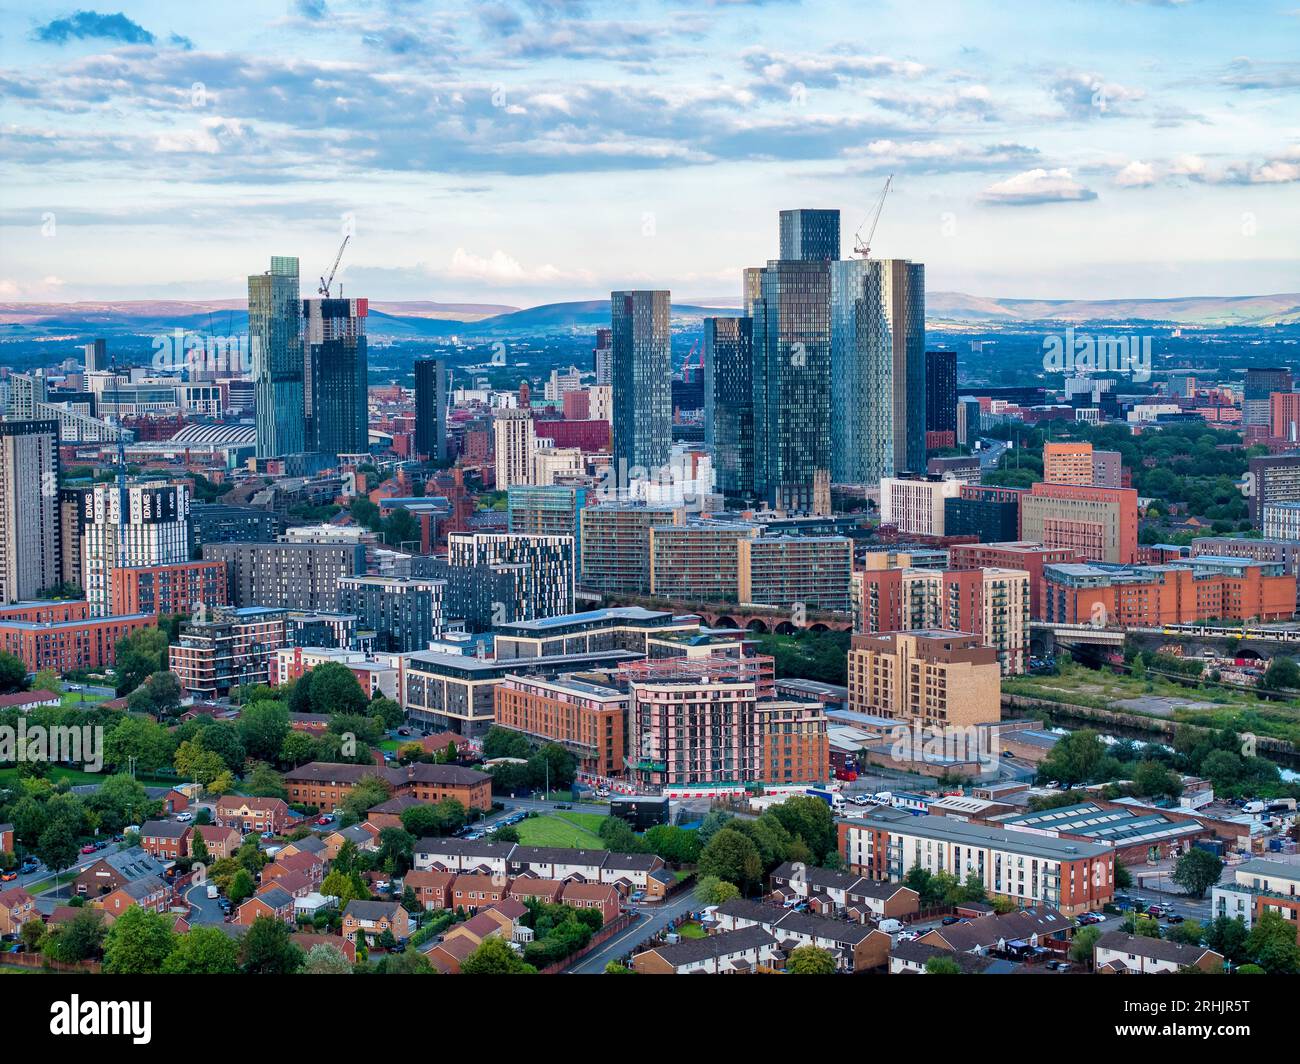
274,902
362,836
149,892
306,942
309,865
1020,930
477,928
856,947
432,889
16,908
527,888
220,841
910,958
6,838
1257,887
254,814
600,896
848,895
462,855
473,891
373,918
629,872
389,814
723,953
447,956
1117,953
165,839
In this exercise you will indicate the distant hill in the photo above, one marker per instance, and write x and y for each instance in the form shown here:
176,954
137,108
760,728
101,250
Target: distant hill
415,319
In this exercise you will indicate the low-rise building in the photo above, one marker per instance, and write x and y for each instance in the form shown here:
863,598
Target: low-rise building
373,918
1119,953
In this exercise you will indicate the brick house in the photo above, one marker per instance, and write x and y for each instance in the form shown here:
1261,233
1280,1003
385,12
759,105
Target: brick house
6,838
309,865
473,892
325,784
602,896
362,836
254,814
117,869
373,918
16,908
446,956
526,888
273,902
723,953
305,942
220,841
855,947
1117,953
432,888
165,839
149,892
832,893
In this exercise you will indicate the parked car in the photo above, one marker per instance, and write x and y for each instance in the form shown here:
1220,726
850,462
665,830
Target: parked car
324,819
268,834
30,864
1174,918
908,936
213,893
949,920
184,818
8,877
89,848
1157,910
891,926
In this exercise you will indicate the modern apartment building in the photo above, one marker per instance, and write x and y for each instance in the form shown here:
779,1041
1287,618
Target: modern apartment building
403,614
729,402
226,648
642,373
1067,462
929,678
75,642
551,510
1031,557
629,628
585,716
431,409
275,339
989,512
31,541
941,395
1258,887
165,589
293,575
1201,589
1272,478
615,540
1028,869
547,574
336,376
514,441
862,373
697,560
815,572
915,505
134,525
1099,524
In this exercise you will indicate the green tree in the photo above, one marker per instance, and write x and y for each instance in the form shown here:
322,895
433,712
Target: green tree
711,890
263,727
1282,674
732,855
942,966
138,943
199,846
810,960
1227,936
1084,941
325,959
13,674
159,696
495,957
80,939
267,949
1196,871
334,690
57,847
241,887
1272,945
203,951
139,656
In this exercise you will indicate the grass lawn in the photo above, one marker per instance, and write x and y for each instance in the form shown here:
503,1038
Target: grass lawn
6,969
9,776
562,829
691,930
79,700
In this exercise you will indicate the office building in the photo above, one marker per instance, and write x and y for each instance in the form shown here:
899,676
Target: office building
941,397
404,614
862,373
646,633
915,505
1261,382
131,525
514,441
275,340
602,357
988,512
642,382
294,575
431,409
30,524
729,402
96,356
1099,524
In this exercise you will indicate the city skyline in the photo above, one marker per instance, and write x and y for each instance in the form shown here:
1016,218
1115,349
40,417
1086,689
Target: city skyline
525,154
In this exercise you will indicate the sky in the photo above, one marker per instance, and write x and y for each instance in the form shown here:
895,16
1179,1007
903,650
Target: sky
531,151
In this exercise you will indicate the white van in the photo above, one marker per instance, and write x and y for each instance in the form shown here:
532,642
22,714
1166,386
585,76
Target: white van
212,891
892,927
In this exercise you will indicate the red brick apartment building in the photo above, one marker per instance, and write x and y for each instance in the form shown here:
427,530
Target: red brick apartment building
588,718
69,644
324,785
175,588
1098,523
1031,557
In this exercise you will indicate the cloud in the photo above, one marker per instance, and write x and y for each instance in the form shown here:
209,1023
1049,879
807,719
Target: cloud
778,72
939,156
1037,186
968,101
1248,74
500,268
1136,175
88,25
1084,95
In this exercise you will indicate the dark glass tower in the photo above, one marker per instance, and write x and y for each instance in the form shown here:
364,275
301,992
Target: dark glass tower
810,235
862,374
337,420
941,391
905,301
642,381
431,409
729,402
792,382
275,341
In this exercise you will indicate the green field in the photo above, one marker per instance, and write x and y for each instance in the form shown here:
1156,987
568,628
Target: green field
562,829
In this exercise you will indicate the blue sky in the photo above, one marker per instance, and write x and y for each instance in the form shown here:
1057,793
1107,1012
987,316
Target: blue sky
528,151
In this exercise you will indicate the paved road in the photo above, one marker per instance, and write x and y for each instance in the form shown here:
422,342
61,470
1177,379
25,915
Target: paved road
205,910
651,918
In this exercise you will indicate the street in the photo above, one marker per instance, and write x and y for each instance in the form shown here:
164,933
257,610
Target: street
652,919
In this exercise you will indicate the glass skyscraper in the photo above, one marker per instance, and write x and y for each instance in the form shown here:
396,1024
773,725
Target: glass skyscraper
431,409
336,412
642,381
792,382
729,402
862,374
275,341
810,235
905,302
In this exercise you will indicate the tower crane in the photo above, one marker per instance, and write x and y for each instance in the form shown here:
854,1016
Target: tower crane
325,282
862,248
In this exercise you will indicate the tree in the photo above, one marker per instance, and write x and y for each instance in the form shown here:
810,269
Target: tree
810,960
1189,933
139,656
241,887
614,968
1196,871
495,957
676,845
267,949
1084,940
80,939
199,846
57,847
263,727
1227,936
731,855
138,943
159,696
325,959
711,890
334,690
1282,674
1077,758
387,710
617,835
203,951
193,761
942,966
506,833
395,850
370,791
810,819
1272,945
1151,779
47,679
345,887
13,674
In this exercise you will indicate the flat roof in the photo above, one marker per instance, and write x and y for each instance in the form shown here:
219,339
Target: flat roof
1023,842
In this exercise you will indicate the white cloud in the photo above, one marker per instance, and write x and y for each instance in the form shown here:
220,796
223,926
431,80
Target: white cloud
1136,174
1037,186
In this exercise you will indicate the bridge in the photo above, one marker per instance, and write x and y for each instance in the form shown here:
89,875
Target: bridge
757,619
1044,635
1198,640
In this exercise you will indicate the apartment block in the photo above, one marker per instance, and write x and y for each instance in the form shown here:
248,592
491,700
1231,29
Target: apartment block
696,561
68,645
930,678
299,575
1100,524
784,571
915,505
1031,557
178,588
629,628
1068,462
586,717
616,544
230,649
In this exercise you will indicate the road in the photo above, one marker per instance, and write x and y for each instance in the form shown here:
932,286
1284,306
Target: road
204,910
651,919
993,451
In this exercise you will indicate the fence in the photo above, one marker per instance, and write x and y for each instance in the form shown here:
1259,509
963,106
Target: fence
36,961
606,932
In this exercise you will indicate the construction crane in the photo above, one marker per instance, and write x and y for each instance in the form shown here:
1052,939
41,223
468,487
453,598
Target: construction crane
862,248
325,282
